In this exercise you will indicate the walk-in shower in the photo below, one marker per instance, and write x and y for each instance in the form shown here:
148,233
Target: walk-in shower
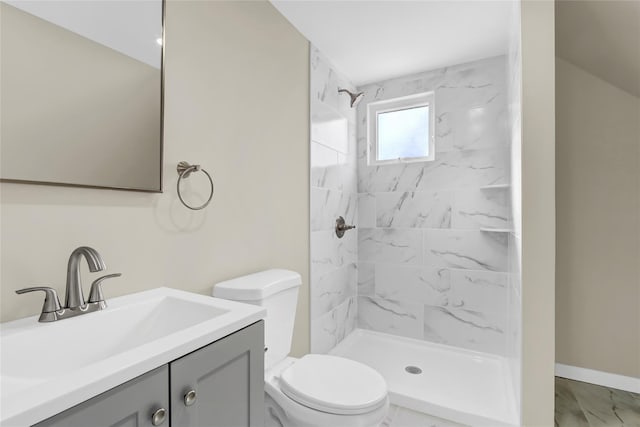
426,289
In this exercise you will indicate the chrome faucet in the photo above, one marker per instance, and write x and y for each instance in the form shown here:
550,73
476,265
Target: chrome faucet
74,299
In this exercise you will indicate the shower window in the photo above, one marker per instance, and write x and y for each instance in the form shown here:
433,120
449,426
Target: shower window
401,129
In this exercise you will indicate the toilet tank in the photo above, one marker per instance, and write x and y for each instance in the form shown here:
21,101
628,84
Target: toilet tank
277,291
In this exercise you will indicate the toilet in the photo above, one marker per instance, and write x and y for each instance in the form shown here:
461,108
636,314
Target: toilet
316,389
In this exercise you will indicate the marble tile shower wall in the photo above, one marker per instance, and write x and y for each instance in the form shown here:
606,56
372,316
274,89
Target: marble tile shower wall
514,305
427,267
333,194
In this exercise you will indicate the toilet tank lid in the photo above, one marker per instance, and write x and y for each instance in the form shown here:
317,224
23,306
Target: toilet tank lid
257,286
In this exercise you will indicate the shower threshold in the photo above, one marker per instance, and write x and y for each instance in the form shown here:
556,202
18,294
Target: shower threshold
463,386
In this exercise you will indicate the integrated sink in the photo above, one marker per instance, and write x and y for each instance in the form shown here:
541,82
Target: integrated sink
48,367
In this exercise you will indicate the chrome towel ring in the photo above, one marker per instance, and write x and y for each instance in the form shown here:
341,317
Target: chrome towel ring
184,170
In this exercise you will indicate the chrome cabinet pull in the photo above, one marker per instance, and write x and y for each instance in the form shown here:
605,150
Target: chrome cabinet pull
190,398
158,417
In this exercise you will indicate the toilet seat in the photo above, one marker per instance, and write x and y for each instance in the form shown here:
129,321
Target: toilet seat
334,385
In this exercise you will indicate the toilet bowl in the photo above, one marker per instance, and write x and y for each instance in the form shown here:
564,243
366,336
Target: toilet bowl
314,390
321,390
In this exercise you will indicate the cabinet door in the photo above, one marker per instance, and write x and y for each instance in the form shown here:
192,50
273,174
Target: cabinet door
131,404
228,380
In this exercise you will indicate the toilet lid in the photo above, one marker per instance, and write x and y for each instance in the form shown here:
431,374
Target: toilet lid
334,384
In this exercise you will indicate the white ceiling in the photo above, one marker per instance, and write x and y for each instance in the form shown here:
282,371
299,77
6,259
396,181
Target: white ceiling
370,41
129,26
602,37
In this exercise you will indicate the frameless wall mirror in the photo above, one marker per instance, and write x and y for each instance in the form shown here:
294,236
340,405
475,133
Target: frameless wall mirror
81,93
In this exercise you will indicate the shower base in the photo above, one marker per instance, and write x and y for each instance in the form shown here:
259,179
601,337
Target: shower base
462,386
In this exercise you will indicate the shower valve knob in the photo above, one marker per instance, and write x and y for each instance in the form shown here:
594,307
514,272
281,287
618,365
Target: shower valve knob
341,227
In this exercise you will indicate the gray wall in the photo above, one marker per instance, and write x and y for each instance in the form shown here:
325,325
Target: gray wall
237,103
537,163
598,201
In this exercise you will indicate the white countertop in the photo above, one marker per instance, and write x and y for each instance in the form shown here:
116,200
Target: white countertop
49,367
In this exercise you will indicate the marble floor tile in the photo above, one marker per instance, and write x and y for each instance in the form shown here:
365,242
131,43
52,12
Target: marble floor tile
568,412
590,405
606,407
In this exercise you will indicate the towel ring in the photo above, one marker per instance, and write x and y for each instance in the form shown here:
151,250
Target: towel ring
184,170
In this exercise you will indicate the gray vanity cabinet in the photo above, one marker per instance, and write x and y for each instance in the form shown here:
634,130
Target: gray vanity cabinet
221,385
128,405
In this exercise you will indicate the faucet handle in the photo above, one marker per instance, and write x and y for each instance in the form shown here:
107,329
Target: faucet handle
95,294
51,301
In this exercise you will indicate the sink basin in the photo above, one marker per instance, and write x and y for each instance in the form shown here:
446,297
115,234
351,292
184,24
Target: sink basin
48,367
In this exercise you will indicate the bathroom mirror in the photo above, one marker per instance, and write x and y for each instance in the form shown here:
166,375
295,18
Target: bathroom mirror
81,93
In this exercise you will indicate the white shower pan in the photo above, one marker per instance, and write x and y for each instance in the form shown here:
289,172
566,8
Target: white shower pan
467,387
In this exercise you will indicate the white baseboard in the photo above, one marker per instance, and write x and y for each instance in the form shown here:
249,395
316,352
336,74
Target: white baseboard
606,379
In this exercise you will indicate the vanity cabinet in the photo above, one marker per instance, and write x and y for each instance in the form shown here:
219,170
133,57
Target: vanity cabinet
221,384
128,405
226,382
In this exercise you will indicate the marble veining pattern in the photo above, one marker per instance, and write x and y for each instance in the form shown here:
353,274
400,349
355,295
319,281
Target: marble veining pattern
332,289
413,210
390,245
450,170
476,208
481,291
327,205
331,328
366,279
420,247
333,193
470,249
393,317
465,328
579,404
366,210
329,253
429,286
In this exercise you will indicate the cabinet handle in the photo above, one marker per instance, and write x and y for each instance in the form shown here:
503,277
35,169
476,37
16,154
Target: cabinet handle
190,398
158,417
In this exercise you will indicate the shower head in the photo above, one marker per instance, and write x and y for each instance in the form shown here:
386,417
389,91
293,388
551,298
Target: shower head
355,97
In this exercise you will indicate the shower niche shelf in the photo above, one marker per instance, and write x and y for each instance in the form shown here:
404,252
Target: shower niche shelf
496,230
495,186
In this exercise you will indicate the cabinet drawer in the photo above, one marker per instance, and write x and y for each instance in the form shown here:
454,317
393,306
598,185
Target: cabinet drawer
128,405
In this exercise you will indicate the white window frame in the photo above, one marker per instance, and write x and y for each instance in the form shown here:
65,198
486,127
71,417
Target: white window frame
425,99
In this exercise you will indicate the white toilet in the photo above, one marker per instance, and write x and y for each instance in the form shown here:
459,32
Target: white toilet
315,390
